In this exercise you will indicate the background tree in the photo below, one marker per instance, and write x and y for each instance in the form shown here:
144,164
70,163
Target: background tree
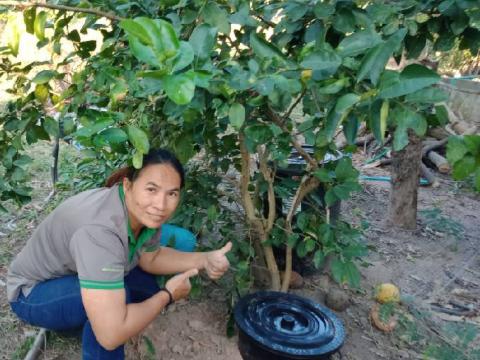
220,81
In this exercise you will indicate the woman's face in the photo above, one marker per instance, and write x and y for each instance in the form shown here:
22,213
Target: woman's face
153,196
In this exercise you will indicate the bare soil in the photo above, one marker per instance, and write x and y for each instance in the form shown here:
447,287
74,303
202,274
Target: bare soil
436,264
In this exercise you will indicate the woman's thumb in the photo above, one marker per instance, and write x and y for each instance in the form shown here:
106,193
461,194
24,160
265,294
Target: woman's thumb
189,273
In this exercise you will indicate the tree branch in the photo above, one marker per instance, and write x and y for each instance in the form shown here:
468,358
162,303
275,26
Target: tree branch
28,4
265,21
244,180
306,186
253,219
289,112
269,176
273,116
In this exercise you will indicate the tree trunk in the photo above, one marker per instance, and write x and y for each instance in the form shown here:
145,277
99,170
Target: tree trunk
403,194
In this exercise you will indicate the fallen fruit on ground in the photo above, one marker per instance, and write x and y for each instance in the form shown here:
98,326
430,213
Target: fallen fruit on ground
387,293
379,323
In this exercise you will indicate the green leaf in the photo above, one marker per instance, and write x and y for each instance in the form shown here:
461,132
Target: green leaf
237,115
301,249
344,21
18,174
413,78
14,36
329,87
29,19
407,119
35,133
477,179
135,29
400,138
456,149
336,268
318,258
414,45
44,76
378,119
354,250
323,10
322,60
149,344
74,36
184,147
351,274
23,160
343,191
264,49
217,17
345,272
114,136
358,42
51,126
441,113
203,40
143,52
309,244
185,56
162,34
431,95
202,79
464,167
376,58
180,88
139,139
336,115
212,212
302,221
292,240
258,133
473,143
39,25
345,102
330,198
137,159
151,41
345,171
323,175
41,93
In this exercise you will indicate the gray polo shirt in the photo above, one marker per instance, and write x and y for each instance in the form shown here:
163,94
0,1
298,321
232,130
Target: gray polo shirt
88,234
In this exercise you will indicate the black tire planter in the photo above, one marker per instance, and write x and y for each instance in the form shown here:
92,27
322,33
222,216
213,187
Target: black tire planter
276,325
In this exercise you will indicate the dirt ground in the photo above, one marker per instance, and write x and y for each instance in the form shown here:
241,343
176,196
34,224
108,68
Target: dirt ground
435,266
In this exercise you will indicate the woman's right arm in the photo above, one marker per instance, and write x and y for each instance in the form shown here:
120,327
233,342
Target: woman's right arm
114,322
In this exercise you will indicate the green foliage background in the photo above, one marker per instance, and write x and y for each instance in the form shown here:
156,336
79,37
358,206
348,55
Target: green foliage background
205,77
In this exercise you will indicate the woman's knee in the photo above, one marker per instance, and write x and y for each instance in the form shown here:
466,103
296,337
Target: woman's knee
178,238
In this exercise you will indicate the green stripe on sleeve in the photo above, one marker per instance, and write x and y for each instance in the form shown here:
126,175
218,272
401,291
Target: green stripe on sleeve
105,285
151,248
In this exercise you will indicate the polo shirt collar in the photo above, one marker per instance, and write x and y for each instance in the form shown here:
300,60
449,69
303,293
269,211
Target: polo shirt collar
134,244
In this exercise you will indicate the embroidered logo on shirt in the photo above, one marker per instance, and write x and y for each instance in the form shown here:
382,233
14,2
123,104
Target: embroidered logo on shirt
112,269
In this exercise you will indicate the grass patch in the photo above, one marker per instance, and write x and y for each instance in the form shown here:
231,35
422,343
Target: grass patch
16,227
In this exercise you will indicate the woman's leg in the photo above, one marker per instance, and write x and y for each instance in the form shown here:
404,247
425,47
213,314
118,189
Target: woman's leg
57,305
179,238
53,304
141,285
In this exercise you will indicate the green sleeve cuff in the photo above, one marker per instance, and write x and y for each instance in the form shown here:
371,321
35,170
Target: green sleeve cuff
105,285
151,248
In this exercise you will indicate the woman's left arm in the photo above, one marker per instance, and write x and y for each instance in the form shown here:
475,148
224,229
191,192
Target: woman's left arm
170,261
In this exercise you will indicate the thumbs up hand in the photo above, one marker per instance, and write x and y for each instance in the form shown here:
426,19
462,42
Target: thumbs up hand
179,285
216,263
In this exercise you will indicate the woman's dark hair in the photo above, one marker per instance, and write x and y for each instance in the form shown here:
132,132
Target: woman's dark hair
154,157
